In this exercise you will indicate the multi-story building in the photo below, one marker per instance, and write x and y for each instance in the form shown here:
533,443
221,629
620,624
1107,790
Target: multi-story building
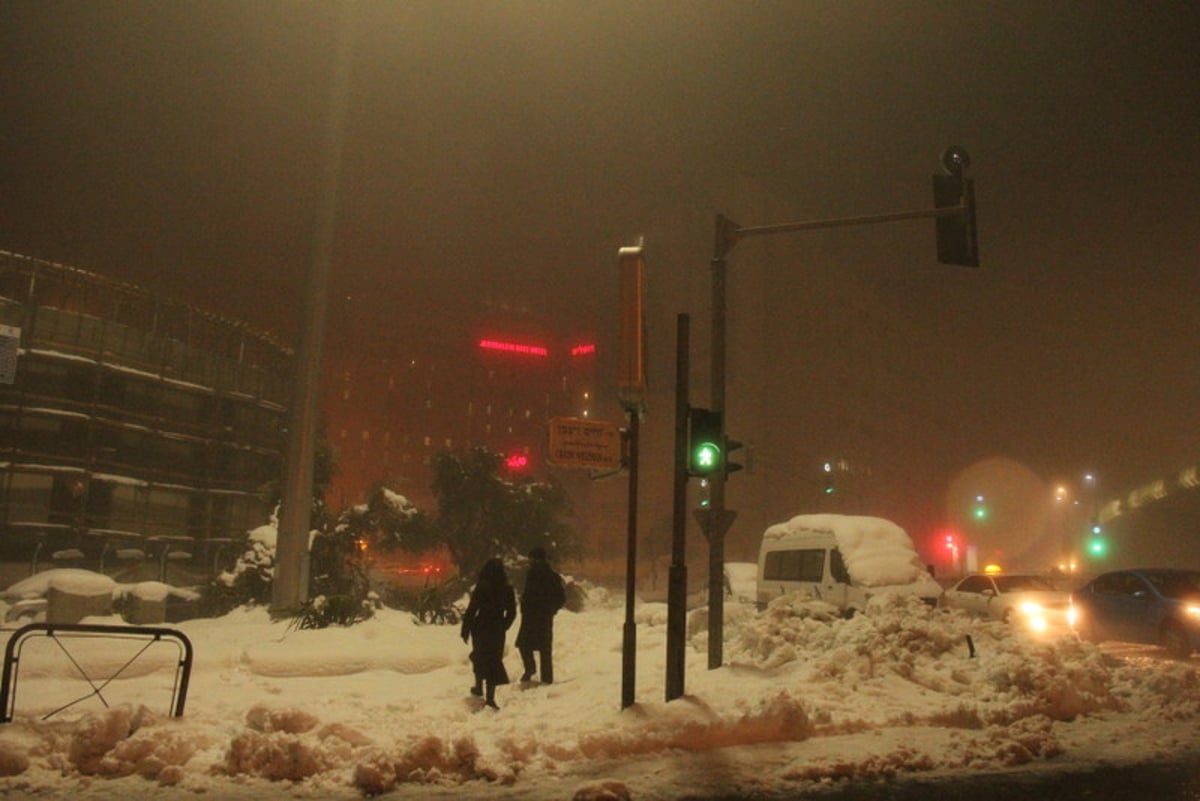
490,378
137,433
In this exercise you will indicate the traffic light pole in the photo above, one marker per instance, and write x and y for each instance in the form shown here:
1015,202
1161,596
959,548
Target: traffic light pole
727,234
718,518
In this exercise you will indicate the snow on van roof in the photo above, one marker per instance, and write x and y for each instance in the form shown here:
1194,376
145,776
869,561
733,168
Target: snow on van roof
877,552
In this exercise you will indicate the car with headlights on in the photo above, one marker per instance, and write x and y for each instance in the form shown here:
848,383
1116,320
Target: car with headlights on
1157,606
1024,598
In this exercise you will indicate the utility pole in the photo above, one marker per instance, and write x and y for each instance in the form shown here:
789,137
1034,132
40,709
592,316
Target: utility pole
290,585
677,576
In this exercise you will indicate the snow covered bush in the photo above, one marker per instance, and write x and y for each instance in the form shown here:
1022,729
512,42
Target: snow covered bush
248,581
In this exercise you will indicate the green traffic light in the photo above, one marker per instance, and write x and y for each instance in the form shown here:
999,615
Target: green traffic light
1098,547
706,458
980,512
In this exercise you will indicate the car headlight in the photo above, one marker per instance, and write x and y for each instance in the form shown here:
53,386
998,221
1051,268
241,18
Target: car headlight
1194,611
1031,608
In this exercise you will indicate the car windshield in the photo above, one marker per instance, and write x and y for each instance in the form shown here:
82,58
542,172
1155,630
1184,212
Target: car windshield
1023,584
1176,585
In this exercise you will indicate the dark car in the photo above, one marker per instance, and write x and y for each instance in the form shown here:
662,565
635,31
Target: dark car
1148,605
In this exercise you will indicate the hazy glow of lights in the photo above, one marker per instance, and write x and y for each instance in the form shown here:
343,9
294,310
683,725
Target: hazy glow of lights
513,347
992,569
583,350
517,461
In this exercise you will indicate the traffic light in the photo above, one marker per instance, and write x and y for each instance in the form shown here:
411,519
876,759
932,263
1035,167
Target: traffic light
957,236
830,486
732,445
980,511
1097,544
705,443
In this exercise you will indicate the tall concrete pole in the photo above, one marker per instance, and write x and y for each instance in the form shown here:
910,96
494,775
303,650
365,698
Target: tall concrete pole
290,586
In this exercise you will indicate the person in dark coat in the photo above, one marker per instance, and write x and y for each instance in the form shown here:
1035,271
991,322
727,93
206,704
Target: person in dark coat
543,596
490,614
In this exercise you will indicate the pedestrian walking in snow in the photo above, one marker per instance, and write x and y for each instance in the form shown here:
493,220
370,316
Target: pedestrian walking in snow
490,614
541,599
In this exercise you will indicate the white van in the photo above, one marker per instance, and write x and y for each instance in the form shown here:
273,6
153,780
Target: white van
841,559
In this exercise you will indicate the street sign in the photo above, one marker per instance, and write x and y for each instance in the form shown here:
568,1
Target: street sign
714,522
579,442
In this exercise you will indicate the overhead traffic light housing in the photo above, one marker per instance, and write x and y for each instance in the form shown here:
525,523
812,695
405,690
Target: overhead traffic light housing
954,197
706,443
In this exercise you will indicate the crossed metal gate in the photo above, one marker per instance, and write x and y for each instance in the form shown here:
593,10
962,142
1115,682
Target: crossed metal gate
63,633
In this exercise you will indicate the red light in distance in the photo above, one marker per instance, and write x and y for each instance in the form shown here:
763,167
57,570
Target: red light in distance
513,347
583,350
517,461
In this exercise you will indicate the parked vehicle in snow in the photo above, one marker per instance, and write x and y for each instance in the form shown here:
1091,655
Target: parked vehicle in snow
1147,605
844,560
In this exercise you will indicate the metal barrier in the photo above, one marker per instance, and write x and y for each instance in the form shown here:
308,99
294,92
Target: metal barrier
60,633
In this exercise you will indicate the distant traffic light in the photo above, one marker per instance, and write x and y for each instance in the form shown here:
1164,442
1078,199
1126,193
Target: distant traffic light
957,236
980,511
830,486
1097,544
705,443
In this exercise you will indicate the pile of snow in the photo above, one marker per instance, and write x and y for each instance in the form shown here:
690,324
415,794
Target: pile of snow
877,552
806,698
86,583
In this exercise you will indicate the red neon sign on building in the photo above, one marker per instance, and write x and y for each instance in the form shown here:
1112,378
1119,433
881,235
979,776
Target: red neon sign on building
583,350
513,347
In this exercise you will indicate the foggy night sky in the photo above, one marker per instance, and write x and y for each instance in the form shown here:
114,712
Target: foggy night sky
507,150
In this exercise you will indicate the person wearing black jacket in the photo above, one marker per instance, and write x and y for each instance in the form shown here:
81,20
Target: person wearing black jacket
543,596
490,614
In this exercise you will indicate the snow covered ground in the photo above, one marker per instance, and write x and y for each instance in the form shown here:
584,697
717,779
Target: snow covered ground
804,701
